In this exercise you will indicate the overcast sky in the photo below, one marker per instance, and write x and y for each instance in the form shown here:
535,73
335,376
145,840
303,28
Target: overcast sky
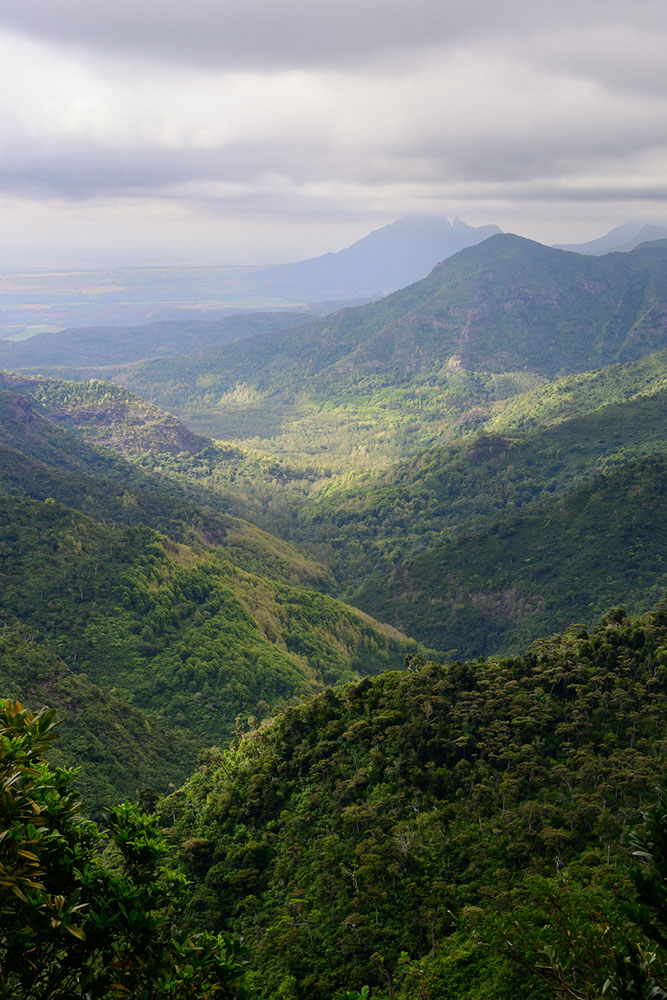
165,131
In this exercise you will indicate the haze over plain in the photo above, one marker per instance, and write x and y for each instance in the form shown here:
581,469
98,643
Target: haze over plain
174,133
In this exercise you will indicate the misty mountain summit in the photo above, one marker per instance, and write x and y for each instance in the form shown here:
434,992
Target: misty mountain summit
384,261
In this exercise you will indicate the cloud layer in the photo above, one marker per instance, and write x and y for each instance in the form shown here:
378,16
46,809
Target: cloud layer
297,111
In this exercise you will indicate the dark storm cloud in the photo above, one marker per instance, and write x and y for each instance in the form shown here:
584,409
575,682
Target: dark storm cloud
266,34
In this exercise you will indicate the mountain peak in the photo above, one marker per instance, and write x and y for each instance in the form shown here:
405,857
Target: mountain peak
386,259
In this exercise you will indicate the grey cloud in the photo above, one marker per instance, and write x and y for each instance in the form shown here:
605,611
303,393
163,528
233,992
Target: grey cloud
79,170
267,34
267,175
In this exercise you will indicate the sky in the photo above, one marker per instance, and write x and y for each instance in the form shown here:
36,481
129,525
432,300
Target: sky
232,131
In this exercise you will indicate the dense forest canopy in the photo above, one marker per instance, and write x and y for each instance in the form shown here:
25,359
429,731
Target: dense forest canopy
444,792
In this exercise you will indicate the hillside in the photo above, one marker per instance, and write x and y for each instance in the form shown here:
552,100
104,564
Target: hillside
379,832
165,621
536,446
188,614
117,345
118,746
379,381
529,573
106,415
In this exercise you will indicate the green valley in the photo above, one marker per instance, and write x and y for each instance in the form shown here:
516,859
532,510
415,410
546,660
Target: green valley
139,596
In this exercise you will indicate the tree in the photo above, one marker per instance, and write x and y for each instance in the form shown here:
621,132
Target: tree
641,973
591,943
75,922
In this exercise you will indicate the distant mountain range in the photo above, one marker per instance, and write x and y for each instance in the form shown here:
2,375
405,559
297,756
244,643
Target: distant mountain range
619,240
385,260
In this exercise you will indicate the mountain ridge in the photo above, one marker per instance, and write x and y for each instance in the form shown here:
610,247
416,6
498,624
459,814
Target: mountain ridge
507,306
621,239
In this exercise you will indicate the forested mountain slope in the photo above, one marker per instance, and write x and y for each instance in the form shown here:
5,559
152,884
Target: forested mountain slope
505,306
578,433
371,834
187,613
528,574
539,445
173,625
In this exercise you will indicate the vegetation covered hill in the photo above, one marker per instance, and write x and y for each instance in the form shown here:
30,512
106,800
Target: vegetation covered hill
528,574
493,320
173,625
117,345
190,615
539,445
419,545
106,415
378,832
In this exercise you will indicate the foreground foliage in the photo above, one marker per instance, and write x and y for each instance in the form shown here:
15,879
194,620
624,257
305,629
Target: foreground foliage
74,924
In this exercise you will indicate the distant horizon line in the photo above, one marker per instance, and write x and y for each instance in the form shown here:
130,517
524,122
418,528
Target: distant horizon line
49,270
